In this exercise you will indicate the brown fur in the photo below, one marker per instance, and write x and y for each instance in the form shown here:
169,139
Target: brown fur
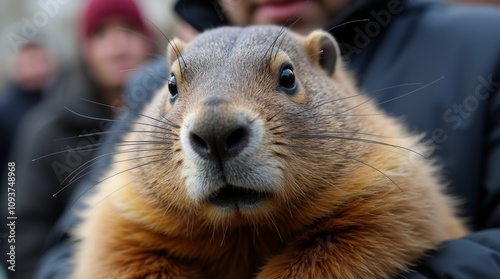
338,207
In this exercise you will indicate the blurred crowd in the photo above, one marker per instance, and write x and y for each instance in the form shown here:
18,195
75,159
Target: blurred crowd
46,106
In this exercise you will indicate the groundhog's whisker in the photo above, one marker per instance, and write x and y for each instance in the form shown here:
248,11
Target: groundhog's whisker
168,122
281,42
281,32
299,119
166,140
406,94
369,100
299,114
375,169
145,142
324,136
94,147
113,132
224,231
102,157
357,95
354,115
274,115
255,230
316,116
272,222
364,94
307,148
283,123
273,44
97,145
295,123
80,148
395,86
117,120
279,126
370,166
289,25
349,132
102,104
76,178
348,22
155,42
113,175
178,53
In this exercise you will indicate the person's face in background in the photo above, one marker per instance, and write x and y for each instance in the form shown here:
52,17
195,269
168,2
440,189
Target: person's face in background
32,68
112,51
310,15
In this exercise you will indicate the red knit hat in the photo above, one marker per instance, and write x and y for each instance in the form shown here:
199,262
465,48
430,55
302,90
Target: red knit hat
98,11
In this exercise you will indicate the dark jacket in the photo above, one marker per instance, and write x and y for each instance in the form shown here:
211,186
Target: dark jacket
50,128
437,67
15,102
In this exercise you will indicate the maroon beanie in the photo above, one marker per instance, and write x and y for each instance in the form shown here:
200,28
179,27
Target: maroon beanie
97,12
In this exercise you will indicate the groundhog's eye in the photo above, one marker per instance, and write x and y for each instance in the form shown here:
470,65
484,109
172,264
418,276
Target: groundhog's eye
172,87
287,82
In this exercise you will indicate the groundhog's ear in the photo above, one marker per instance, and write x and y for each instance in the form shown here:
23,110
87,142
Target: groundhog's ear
323,49
174,50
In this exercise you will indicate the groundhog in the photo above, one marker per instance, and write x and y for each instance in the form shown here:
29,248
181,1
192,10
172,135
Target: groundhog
259,158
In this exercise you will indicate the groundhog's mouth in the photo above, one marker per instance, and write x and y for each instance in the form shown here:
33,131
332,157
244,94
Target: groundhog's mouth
232,196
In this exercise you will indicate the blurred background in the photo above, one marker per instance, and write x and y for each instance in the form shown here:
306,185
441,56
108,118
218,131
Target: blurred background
57,20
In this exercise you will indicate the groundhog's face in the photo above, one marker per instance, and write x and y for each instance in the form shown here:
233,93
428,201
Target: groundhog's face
244,129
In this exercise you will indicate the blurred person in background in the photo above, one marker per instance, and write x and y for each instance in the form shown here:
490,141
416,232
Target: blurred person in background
114,39
32,73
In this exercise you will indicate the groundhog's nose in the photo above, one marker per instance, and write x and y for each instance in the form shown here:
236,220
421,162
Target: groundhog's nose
219,140
219,130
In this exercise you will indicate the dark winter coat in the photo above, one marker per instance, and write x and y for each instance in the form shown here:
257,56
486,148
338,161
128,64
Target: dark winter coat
15,102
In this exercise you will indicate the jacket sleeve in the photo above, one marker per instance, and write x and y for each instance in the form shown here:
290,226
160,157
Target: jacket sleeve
471,257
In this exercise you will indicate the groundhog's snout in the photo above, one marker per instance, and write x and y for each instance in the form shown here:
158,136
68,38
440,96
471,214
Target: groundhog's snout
219,130
227,161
